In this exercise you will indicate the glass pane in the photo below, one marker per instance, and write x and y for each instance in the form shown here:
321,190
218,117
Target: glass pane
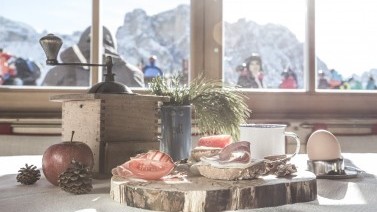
346,44
155,37
264,43
23,23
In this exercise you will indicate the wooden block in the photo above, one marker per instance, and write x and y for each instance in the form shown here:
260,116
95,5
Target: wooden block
129,120
203,194
113,118
100,119
83,117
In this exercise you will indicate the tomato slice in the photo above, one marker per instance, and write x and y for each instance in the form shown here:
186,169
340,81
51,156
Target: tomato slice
219,141
149,169
149,166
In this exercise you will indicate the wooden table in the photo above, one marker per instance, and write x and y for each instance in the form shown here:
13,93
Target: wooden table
343,195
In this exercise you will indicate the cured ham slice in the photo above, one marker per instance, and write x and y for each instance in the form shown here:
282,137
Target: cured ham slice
234,162
152,165
236,152
235,155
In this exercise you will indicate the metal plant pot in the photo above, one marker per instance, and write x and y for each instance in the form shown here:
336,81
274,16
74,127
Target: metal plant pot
176,131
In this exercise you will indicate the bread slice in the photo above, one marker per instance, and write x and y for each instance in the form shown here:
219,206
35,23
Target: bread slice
255,170
199,152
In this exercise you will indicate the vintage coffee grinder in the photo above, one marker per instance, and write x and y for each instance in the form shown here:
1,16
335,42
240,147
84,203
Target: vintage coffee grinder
112,120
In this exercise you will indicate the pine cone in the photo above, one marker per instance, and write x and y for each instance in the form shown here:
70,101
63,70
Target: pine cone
28,175
77,179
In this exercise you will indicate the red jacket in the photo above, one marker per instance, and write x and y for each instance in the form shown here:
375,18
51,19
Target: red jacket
288,82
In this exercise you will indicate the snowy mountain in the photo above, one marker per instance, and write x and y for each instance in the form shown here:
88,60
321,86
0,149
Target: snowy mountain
23,41
165,35
277,46
20,39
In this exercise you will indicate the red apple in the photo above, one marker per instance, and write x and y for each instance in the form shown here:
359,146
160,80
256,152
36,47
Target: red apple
58,157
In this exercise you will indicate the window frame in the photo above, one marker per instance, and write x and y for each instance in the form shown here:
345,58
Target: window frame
206,59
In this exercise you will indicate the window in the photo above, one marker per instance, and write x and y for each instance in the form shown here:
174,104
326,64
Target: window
162,35
346,44
155,37
264,45
138,31
281,103
23,26
211,52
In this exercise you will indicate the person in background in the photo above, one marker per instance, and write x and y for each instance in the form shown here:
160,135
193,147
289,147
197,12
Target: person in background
345,85
354,84
336,80
8,72
289,80
252,76
322,81
76,75
151,71
242,70
371,84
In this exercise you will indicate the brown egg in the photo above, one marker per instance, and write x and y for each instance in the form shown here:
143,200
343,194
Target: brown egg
323,145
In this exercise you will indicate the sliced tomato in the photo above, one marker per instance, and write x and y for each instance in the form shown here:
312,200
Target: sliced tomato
149,169
149,166
215,141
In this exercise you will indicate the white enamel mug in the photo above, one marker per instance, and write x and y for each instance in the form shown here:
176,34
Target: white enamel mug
267,139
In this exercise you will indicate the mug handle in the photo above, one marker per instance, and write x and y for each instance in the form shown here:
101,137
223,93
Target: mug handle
298,143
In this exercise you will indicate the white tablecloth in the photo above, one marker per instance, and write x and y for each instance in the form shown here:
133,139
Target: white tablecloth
358,194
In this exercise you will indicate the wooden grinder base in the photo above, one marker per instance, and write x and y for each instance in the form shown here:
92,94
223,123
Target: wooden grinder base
203,194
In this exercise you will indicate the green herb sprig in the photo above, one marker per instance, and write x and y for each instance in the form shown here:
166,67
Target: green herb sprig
218,109
179,94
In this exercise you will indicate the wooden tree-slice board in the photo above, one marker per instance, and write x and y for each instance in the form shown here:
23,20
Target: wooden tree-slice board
203,194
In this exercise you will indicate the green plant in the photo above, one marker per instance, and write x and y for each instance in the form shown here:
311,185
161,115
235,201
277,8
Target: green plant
218,109
179,94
